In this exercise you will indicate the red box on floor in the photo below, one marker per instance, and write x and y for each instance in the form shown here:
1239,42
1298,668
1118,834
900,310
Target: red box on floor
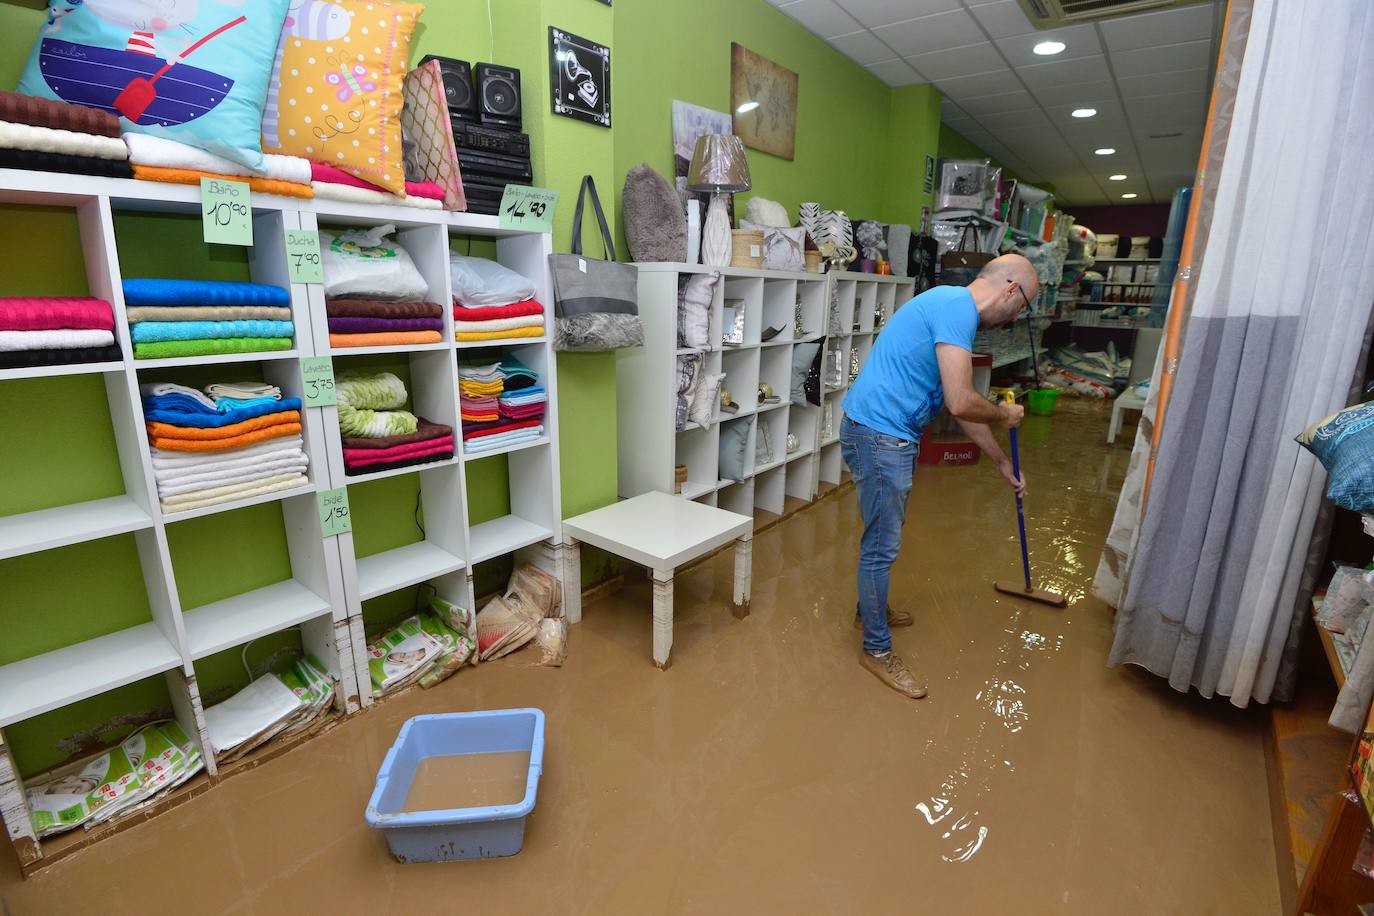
949,451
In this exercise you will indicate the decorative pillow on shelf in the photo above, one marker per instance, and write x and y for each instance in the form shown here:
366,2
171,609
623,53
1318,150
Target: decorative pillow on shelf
734,440
480,282
695,294
803,355
191,72
336,92
1344,444
655,223
703,408
688,375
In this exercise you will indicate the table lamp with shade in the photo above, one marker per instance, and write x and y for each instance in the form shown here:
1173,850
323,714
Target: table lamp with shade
719,166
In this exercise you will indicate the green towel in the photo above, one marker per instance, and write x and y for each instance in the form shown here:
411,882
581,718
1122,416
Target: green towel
373,424
368,405
164,349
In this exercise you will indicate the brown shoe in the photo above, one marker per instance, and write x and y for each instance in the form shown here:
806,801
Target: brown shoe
892,671
894,619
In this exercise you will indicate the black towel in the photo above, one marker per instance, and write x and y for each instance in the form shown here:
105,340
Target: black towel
57,162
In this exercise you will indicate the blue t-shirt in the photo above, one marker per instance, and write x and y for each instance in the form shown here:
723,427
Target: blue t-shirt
899,390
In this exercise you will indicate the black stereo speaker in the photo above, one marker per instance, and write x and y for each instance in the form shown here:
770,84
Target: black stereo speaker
498,95
462,103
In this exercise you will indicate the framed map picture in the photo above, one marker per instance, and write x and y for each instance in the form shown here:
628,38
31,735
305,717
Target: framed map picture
763,99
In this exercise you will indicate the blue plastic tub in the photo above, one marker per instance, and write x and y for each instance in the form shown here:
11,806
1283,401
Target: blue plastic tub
457,833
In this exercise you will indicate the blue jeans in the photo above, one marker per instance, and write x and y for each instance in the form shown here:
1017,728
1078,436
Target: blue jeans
882,466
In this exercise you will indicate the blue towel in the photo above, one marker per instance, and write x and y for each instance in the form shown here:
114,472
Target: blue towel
180,404
151,331
532,391
227,404
214,421
148,291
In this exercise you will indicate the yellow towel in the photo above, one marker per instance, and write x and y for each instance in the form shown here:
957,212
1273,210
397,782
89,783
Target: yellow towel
513,333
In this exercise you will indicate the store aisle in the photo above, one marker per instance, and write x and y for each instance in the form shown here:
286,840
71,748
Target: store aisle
766,771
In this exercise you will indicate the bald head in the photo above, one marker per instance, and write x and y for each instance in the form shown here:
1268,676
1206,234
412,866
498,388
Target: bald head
1002,289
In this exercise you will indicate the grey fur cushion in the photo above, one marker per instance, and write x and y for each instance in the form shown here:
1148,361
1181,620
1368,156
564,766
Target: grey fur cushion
655,224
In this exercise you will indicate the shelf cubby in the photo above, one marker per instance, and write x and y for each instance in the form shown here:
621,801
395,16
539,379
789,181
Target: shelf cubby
770,490
741,368
779,309
737,498
775,368
699,450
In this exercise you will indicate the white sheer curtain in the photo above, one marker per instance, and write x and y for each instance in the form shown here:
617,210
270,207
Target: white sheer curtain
1278,318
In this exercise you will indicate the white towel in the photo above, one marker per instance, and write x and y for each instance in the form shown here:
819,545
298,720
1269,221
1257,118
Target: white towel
153,389
244,390
334,191
66,339
236,457
498,324
55,140
177,482
145,149
202,498
488,373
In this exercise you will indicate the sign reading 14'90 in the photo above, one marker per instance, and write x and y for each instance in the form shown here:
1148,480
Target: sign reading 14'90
528,209
226,212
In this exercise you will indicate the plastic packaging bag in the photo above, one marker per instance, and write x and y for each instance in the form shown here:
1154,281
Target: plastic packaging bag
480,282
363,262
1345,599
551,639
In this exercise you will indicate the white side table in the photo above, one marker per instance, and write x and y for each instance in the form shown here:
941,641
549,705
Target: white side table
1122,404
661,532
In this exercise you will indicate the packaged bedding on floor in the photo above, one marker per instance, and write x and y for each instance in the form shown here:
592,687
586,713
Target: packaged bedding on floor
151,761
401,655
273,705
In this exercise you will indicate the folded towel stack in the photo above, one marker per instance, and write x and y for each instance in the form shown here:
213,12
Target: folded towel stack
53,331
211,448
206,317
378,434
376,323
160,159
514,321
502,404
335,184
51,136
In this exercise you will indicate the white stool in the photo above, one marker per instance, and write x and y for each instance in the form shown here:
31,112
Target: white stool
661,532
1122,404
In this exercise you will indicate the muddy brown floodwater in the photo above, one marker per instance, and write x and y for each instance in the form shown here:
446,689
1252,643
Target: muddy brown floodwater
766,772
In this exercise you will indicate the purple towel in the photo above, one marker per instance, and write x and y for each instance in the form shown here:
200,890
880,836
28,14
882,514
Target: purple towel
382,325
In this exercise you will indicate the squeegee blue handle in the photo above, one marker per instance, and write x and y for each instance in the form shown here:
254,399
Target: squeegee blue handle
1020,510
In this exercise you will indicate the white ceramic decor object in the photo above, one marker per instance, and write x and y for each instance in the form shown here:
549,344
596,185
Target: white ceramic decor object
715,238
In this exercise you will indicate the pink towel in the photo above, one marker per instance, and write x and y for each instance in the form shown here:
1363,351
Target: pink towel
523,413
362,457
55,313
323,171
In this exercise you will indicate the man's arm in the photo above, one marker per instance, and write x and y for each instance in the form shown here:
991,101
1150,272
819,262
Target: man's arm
983,438
956,376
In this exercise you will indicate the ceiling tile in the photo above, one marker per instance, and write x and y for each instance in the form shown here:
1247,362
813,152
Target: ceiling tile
874,13
1065,73
862,47
823,17
1076,94
965,61
931,33
1164,104
896,72
950,109
1165,27
1190,55
964,87
1021,119
997,104
1139,87
1079,40
1003,19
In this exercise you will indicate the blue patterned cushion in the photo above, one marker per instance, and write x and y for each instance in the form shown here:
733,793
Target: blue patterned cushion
1344,444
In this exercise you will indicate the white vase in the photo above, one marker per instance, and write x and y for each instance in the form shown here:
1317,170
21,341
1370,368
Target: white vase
715,236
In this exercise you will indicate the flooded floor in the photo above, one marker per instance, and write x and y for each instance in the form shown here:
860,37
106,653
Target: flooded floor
766,772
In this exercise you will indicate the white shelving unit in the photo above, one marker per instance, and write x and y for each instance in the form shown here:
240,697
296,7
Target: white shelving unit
861,304
328,582
650,446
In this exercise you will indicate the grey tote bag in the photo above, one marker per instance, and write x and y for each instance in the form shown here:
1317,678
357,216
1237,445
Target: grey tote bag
596,302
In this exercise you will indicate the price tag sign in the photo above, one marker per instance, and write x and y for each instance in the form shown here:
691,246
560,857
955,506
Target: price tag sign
226,213
317,376
528,209
333,507
303,256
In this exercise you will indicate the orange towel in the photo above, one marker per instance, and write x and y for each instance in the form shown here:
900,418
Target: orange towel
218,445
191,176
385,339
281,418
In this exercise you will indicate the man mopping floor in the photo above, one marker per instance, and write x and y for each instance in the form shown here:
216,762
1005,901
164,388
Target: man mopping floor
922,360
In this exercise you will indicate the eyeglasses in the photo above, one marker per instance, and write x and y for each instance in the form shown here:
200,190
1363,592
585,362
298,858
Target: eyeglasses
1024,298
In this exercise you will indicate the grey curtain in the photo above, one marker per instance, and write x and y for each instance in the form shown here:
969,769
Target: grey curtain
1281,302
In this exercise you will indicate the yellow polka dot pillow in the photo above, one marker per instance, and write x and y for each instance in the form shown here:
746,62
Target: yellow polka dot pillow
335,94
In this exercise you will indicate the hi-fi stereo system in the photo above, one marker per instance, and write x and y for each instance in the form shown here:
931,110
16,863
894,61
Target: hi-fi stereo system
484,107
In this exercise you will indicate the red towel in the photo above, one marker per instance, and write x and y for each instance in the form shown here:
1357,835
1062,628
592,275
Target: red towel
491,429
323,171
491,312
523,413
40,313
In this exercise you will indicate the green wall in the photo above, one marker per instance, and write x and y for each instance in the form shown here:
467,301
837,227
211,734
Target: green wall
860,147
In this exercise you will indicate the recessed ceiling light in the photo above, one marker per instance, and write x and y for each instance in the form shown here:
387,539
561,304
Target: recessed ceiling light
1116,177
1128,196
1084,112
1047,48
1105,151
